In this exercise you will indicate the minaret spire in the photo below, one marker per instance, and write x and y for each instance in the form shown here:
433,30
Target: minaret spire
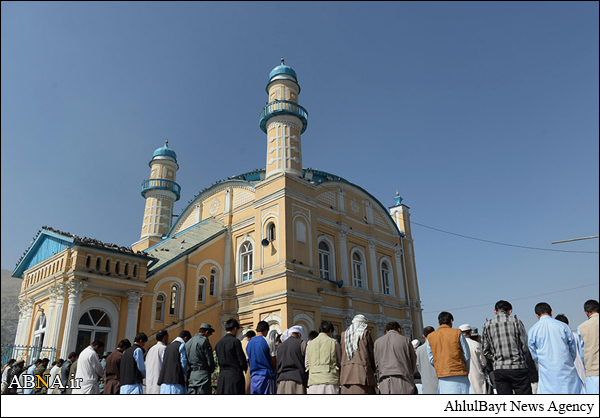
161,192
283,120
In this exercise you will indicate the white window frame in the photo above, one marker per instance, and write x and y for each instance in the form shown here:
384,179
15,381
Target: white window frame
177,295
391,277
364,281
325,239
163,308
246,275
40,330
212,284
202,282
384,269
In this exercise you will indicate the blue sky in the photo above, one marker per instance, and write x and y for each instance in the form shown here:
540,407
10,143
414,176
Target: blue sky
483,115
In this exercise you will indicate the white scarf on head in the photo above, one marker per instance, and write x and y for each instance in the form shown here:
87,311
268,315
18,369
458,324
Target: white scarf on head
286,334
353,334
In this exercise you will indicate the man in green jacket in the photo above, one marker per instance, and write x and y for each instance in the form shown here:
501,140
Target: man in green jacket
324,356
201,361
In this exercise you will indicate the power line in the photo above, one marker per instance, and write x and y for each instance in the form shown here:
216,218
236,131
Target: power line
525,297
502,243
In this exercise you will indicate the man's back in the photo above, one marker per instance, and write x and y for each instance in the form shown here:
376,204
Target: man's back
428,375
259,356
505,342
395,355
552,346
589,333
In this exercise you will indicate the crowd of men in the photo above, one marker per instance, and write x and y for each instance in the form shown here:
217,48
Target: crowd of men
550,359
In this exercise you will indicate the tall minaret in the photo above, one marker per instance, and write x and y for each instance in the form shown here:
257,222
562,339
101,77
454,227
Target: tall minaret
283,120
161,192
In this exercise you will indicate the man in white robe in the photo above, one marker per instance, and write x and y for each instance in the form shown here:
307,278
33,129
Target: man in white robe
89,370
154,362
53,373
477,362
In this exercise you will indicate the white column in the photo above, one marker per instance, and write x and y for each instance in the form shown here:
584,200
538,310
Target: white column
133,305
401,279
227,261
374,269
75,292
50,317
25,312
343,229
60,301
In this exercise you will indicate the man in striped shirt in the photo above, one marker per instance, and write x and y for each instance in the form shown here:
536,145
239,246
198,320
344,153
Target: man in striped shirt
504,341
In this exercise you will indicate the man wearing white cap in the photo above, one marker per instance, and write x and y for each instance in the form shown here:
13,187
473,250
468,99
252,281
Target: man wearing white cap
357,374
477,362
291,373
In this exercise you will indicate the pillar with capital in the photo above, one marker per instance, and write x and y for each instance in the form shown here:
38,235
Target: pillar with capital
343,230
58,310
374,269
50,321
25,313
76,288
133,304
401,277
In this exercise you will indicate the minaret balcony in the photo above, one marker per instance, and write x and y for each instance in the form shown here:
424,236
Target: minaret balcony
283,107
161,184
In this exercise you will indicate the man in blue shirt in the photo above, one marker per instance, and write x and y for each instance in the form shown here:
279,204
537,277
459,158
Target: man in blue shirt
261,356
552,347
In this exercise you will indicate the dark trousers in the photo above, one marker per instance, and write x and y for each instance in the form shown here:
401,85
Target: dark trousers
512,381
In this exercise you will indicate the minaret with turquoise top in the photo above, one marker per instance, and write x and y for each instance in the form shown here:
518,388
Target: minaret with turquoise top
283,120
161,192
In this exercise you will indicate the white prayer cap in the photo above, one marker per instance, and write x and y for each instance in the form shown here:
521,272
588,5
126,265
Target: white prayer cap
296,328
286,334
465,327
415,343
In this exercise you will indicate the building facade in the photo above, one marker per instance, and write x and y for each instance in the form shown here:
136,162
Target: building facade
287,244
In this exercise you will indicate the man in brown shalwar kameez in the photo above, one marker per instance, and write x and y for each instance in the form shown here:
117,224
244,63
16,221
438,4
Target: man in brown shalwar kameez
357,375
396,361
112,385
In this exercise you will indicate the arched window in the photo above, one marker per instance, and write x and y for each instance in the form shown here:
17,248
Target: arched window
213,281
135,270
160,308
39,331
174,300
357,269
201,289
107,266
98,261
126,269
271,232
93,325
88,262
324,261
385,278
246,256
118,267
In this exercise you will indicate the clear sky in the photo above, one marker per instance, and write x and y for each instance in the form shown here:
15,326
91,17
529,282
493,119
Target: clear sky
483,115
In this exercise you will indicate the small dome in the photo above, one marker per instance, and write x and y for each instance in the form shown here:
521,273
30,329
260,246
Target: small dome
165,151
283,69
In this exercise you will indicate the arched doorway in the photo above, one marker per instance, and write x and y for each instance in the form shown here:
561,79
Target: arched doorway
94,325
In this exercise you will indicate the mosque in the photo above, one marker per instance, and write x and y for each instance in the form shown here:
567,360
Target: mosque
286,244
